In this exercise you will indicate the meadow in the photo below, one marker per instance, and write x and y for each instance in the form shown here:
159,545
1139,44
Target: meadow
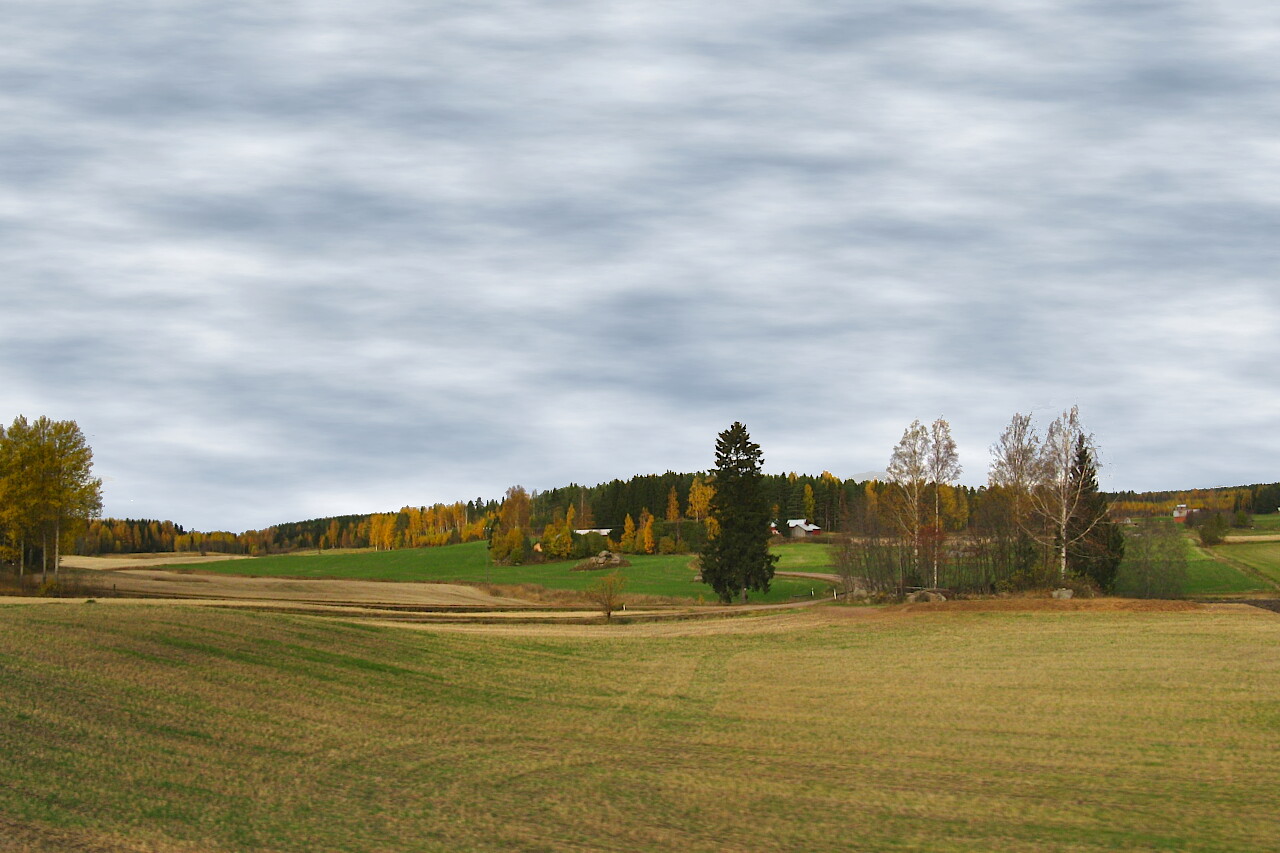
669,576
1263,525
128,727
1261,557
1213,577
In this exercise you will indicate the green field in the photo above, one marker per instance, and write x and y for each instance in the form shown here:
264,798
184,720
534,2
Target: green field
1262,557
803,557
1208,576
1263,525
132,727
669,576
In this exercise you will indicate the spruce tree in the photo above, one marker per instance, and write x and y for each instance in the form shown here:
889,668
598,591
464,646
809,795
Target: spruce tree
1095,543
737,559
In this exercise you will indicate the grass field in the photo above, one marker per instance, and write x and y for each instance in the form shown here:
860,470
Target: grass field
803,557
669,576
1262,557
125,727
1263,525
1207,576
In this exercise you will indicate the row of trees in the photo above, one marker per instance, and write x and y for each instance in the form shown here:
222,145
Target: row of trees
47,490
410,527
1040,519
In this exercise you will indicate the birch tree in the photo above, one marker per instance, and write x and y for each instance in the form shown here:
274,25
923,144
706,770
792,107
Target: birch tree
1014,462
909,471
1058,495
942,464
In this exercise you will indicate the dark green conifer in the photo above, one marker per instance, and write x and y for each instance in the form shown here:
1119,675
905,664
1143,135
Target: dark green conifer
1097,543
737,559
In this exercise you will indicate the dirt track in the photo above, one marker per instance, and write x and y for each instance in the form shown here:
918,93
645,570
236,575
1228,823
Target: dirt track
138,561
154,582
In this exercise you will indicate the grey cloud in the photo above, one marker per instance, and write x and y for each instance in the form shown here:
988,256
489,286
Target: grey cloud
367,254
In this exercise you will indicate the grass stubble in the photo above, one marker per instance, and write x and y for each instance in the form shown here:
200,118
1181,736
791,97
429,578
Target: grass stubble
133,728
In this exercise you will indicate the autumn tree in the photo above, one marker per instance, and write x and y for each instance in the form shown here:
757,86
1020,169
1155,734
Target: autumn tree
515,509
673,512
700,494
606,593
47,487
1053,481
628,542
737,559
909,471
942,465
645,542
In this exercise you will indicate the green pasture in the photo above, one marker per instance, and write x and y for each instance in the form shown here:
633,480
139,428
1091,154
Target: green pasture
1207,576
166,727
1262,557
803,557
658,575
1263,525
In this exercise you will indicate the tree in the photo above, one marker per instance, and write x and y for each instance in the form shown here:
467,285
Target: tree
1059,496
1213,531
46,484
606,592
645,542
1097,543
628,541
515,509
1014,460
673,512
942,463
1155,561
737,558
700,494
1012,476
909,471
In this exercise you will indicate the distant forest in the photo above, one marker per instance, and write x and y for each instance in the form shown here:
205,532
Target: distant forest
833,504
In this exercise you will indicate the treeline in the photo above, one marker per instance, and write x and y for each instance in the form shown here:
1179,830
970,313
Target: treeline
1259,499
47,491
410,527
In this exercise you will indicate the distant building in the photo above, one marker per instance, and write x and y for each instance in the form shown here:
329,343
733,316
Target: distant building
1180,513
797,528
603,531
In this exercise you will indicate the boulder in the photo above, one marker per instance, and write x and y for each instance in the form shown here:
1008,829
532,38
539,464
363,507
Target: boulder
926,595
603,560
1063,593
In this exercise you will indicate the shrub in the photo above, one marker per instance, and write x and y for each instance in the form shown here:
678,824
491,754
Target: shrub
1214,530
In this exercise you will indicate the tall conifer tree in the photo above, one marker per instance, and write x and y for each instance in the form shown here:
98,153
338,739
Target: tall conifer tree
737,558
1095,544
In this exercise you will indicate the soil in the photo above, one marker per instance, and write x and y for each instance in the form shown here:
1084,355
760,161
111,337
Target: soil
1040,605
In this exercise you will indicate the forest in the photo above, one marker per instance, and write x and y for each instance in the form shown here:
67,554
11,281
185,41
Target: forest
918,525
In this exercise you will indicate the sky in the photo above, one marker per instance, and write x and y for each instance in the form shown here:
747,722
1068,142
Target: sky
295,259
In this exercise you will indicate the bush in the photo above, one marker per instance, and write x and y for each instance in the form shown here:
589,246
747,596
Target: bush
1214,530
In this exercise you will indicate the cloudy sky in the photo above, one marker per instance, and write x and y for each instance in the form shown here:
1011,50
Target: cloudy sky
292,259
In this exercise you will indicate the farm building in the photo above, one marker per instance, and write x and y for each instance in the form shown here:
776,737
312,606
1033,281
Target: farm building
1180,513
797,528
